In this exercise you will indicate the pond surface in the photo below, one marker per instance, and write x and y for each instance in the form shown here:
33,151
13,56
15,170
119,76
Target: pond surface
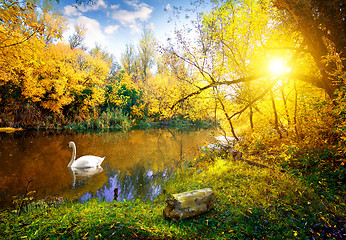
136,162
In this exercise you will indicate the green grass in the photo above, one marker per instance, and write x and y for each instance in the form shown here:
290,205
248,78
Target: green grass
107,120
251,203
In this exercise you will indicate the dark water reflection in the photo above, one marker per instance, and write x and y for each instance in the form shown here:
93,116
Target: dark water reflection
136,162
138,183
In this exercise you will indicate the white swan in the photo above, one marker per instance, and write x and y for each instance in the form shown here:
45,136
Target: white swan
87,161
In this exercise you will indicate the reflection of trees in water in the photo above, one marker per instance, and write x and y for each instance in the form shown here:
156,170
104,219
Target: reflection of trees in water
137,183
140,183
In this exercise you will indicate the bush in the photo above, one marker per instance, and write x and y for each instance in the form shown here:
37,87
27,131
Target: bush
107,120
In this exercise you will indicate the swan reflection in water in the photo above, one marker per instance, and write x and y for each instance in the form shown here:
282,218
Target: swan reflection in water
85,166
83,172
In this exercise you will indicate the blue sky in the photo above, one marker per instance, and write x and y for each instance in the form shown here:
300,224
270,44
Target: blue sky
113,23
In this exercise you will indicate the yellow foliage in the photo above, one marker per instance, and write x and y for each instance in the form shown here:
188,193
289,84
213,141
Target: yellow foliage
164,89
37,71
138,111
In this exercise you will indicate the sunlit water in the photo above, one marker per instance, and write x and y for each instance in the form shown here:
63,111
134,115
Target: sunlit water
136,163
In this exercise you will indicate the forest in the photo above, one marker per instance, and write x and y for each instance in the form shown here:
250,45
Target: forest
268,73
46,83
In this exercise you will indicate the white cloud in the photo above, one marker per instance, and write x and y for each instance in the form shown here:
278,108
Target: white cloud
135,28
167,7
114,6
111,29
132,19
93,33
71,11
75,10
94,6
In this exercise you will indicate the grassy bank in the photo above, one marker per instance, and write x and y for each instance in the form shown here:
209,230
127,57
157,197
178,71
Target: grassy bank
251,203
111,120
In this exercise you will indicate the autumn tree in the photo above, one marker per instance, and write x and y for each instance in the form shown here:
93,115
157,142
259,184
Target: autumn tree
168,85
317,29
129,60
22,25
322,25
42,79
234,46
228,41
146,52
125,96
77,38
104,55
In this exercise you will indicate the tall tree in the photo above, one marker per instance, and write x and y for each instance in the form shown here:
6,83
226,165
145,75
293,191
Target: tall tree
229,39
128,59
77,39
322,25
146,52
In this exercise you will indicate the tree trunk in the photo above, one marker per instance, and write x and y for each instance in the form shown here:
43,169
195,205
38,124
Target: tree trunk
313,37
286,110
276,119
251,118
295,121
229,119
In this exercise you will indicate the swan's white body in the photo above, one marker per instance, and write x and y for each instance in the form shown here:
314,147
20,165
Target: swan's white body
87,161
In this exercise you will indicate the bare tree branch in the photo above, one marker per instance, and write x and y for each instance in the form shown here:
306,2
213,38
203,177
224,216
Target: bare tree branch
215,84
17,43
289,48
315,81
252,102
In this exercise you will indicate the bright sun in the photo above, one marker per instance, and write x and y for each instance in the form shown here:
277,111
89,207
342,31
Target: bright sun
277,67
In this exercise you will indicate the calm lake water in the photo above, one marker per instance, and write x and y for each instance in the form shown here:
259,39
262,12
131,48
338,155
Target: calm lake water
136,162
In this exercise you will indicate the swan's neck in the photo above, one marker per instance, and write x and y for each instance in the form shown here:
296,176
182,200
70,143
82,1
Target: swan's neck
73,155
